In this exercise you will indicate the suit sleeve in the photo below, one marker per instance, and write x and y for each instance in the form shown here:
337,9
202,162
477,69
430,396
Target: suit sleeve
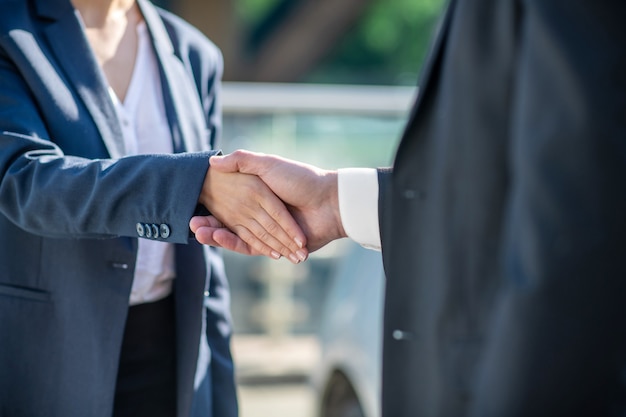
558,346
49,192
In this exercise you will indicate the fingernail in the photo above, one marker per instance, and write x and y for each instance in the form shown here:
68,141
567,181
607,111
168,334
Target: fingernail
301,255
294,258
275,255
298,242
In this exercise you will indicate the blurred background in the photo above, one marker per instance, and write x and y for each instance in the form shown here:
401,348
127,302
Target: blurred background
328,82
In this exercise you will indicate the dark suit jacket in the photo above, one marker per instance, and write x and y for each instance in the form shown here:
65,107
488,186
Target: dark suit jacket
70,204
503,221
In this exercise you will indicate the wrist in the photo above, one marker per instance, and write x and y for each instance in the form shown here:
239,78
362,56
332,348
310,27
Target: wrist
332,200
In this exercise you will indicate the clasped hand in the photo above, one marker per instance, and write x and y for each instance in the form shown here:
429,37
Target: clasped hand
280,207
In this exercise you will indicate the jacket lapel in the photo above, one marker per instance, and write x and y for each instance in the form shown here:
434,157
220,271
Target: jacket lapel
182,102
66,38
433,60
188,125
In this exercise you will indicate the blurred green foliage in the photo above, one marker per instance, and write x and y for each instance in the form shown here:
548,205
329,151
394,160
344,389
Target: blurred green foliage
251,12
387,45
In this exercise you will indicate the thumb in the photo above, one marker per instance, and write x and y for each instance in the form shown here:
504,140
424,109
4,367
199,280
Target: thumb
242,161
197,222
223,163
233,162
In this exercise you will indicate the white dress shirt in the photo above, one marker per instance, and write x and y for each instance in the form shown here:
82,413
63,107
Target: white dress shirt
146,130
358,205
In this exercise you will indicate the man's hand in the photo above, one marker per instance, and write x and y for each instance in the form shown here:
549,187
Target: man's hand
256,219
309,192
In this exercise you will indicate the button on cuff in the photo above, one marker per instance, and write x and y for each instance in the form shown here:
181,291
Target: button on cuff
141,230
153,230
164,231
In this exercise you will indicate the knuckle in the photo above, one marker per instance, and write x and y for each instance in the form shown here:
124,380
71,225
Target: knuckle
278,213
273,228
264,236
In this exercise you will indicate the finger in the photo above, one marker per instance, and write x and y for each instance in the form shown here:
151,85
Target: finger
255,241
242,161
204,221
266,242
224,163
228,240
229,162
276,228
207,228
255,210
204,235
222,237
266,218
281,224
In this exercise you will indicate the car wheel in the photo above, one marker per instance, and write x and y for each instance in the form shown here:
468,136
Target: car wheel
340,399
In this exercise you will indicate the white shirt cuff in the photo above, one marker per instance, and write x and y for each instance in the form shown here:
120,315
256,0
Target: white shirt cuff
358,205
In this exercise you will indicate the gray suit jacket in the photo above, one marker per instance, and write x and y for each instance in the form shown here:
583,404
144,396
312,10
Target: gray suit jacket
503,221
70,204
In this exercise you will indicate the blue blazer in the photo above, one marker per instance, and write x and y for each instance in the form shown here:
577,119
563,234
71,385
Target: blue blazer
70,203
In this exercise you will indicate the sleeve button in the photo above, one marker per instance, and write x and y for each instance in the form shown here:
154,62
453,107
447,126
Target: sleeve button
155,230
164,231
141,231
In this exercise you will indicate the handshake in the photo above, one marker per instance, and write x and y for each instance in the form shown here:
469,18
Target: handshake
267,205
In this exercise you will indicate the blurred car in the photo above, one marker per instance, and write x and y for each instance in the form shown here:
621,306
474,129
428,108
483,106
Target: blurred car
347,380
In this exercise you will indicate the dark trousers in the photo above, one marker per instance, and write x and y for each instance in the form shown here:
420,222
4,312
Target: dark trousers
146,381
